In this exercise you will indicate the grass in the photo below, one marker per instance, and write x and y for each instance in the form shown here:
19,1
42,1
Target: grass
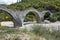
44,32
38,33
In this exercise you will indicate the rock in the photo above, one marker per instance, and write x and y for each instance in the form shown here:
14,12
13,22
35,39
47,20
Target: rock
46,21
7,24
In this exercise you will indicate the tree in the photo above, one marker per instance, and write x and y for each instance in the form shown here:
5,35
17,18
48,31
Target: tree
17,0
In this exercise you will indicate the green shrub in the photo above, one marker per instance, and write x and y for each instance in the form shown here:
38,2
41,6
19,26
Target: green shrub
9,30
53,19
58,18
4,16
30,17
12,30
39,30
24,30
56,34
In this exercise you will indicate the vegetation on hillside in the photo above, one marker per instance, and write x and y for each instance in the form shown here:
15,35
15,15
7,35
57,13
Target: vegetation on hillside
40,5
4,16
52,5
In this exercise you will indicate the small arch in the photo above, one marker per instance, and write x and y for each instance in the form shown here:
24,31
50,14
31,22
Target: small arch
47,15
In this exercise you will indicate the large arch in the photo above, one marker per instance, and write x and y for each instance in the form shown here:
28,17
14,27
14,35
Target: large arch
9,14
17,21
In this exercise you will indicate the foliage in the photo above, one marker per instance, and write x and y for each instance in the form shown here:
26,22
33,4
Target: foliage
53,19
38,4
51,5
44,32
35,34
30,17
57,15
4,16
39,30
9,30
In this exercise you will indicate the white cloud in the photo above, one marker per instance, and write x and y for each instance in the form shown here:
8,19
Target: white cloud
8,1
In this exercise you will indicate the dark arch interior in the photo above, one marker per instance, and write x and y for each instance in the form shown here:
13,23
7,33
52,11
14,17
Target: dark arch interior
5,16
46,16
32,16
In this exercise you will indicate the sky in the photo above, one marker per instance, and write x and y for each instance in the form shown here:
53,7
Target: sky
8,1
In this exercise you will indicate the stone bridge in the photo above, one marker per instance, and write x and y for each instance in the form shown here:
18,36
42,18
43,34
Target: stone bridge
19,16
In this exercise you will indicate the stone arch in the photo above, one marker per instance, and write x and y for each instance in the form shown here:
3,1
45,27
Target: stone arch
20,15
17,22
36,14
8,13
46,12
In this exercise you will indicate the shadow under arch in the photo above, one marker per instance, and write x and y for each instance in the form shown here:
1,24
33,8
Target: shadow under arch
47,15
35,14
16,23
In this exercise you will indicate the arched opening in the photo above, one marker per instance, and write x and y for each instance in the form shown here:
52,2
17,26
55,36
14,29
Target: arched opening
6,17
47,16
32,17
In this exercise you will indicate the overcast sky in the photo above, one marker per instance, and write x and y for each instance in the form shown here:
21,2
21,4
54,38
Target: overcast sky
8,1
